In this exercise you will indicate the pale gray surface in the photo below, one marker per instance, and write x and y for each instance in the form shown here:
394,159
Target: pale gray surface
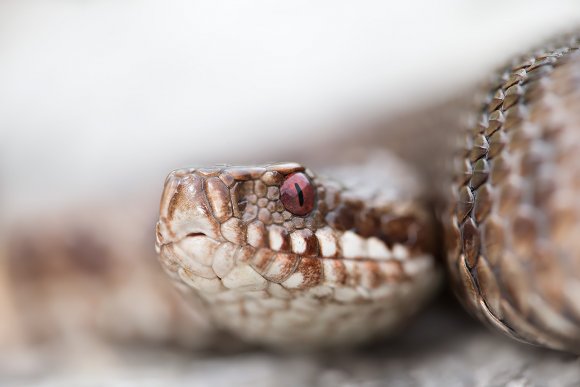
444,348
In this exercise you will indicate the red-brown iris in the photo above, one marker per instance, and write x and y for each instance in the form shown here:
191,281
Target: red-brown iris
297,194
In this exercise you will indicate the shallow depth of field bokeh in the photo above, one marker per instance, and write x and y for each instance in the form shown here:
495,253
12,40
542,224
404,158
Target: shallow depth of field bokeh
100,99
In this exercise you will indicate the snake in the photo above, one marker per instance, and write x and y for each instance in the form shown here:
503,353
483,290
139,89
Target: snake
283,256
288,256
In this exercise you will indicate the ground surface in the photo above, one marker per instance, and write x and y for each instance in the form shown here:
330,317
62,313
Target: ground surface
443,348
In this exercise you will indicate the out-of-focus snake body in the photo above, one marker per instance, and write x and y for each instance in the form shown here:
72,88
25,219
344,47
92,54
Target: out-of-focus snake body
280,255
514,224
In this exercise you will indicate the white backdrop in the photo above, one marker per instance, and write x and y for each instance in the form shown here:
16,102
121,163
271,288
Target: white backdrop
100,94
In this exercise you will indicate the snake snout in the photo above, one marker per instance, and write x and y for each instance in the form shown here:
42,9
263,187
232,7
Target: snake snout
185,208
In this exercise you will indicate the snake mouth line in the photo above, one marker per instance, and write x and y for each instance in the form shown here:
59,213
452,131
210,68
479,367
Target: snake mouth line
361,259
196,234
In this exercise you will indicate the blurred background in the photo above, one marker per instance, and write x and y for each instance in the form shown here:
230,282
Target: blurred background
99,99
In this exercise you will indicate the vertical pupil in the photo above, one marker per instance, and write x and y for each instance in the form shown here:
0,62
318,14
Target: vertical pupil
300,194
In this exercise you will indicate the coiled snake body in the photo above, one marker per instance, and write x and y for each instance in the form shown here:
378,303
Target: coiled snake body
282,256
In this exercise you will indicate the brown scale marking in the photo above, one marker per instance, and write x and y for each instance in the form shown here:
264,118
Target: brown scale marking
257,228
537,72
483,201
277,218
509,197
251,198
480,173
562,221
539,110
246,173
250,213
514,116
524,63
512,96
286,168
366,224
497,142
284,235
471,241
516,77
521,138
218,196
464,171
262,260
245,253
514,277
494,239
500,169
479,148
339,271
537,89
548,276
465,203
496,120
374,277
209,172
524,231
273,193
342,218
353,273
282,267
227,179
394,271
264,216
298,222
543,191
322,207
272,178
468,294
312,272
488,286
541,62
396,229
530,163
260,189
178,200
496,101
311,242
313,221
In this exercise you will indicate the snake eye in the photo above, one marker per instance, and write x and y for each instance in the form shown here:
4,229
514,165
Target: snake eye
297,194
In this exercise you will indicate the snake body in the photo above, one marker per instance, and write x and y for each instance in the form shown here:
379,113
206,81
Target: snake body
362,260
514,224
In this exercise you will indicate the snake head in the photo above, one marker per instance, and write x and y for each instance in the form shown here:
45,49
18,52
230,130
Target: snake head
280,255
